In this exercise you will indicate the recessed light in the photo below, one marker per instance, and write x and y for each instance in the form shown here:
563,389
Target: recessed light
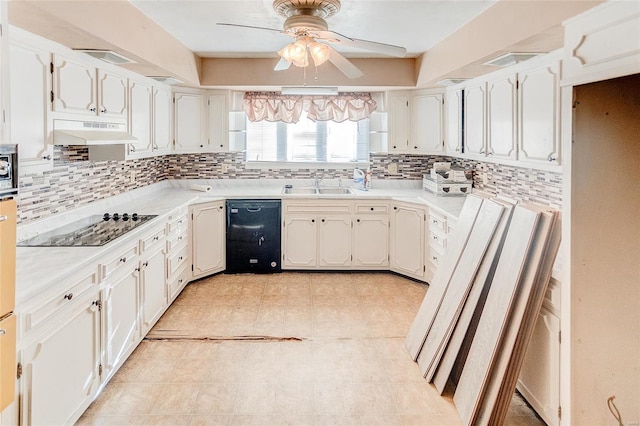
107,56
511,58
165,79
451,81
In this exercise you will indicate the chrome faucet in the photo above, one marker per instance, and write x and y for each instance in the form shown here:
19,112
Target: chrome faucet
316,181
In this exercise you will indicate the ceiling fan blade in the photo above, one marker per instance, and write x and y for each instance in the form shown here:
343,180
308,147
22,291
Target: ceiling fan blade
371,46
282,65
343,64
252,27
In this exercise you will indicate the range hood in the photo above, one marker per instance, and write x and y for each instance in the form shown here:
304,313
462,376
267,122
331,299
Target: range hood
90,133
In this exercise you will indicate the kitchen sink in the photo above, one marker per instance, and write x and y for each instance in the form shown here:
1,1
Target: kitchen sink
334,191
317,191
305,191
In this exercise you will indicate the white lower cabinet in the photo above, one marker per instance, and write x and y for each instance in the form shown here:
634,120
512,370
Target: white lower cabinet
334,241
208,238
299,241
371,236
153,286
61,367
407,239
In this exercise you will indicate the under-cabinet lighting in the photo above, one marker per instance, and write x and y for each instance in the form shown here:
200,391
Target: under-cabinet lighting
511,58
309,90
107,56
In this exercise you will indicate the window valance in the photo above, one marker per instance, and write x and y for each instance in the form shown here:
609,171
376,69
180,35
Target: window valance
273,106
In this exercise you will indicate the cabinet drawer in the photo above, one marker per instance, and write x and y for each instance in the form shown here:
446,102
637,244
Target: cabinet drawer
178,224
176,260
437,221
436,240
317,208
124,257
155,238
372,208
178,282
80,285
176,240
435,254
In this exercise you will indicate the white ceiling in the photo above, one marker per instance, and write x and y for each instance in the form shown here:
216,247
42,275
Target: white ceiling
416,25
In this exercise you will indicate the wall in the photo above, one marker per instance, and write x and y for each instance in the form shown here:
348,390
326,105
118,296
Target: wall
75,180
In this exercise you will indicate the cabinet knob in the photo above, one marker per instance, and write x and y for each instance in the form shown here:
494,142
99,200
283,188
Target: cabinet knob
551,158
435,238
371,208
395,208
394,147
2,332
3,218
68,296
357,220
323,220
156,238
92,109
47,157
123,259
220,207
201,146
103,110
434,258
415,147
313,220
145,264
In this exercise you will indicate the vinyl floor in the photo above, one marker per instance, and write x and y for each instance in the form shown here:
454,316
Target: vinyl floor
283,349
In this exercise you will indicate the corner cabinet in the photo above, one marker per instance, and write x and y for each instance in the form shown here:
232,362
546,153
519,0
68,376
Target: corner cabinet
415,122
407,239
208,221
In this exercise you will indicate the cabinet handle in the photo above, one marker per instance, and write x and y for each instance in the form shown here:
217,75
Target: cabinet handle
68,296
123,259
3,218
145,264
179,222
156,238
47,157
137,269
2,332
482,151
435,238
180,281
179,238
551,158
434,258
180,258
92,109
103,110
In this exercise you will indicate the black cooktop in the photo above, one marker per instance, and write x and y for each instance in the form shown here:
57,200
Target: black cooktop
93,231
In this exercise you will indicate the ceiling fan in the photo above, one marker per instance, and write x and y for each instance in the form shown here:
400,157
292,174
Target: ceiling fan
305,20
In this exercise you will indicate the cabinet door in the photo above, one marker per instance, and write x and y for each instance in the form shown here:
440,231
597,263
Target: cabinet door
74,87
501,109
407,240
299,241
153,285
7,255
190,125
218,123
539,107
426,124
539,380
371,241
398,126
30,89
121,327
334,241
208,238
474,119
140,116
8,357
112,93
161,120
453,105
61,370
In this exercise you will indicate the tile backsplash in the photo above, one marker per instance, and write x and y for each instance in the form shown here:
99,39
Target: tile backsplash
75,180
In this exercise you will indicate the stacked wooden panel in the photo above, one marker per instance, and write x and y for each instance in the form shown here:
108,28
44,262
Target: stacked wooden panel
478,316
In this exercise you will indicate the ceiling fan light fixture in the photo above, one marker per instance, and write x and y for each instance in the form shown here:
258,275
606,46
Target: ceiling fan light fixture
319,53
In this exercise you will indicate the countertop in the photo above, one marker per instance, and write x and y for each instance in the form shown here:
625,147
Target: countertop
41,270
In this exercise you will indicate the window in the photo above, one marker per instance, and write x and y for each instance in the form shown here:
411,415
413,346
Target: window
308,142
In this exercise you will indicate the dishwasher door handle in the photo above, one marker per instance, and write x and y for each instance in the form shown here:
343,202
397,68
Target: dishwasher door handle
254,209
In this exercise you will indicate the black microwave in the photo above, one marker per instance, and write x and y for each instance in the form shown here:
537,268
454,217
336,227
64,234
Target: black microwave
8,170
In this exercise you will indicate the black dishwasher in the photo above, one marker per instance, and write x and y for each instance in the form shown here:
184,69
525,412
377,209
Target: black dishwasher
253,236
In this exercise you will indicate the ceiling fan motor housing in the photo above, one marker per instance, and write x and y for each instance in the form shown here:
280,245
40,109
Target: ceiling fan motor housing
306,15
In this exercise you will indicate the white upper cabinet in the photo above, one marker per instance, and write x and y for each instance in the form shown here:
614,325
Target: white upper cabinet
140,116
190,122
30,90
426,124
453,105
474,119
161,119
398,116
539,114
81,88
218,122
4,75
501,117
602,43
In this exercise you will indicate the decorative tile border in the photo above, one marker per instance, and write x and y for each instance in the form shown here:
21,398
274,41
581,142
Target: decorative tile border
75,180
